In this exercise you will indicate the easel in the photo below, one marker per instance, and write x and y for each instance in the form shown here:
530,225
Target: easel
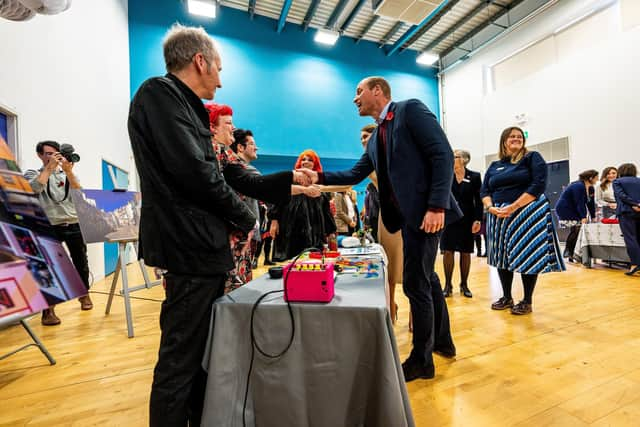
36,342
121,267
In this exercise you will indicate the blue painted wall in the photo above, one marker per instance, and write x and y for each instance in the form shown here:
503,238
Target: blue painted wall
293,93
3,126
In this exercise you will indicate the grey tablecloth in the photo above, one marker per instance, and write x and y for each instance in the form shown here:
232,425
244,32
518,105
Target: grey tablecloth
601,241
342,370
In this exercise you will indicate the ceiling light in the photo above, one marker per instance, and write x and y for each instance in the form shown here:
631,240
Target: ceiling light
202,7
427,58
327,37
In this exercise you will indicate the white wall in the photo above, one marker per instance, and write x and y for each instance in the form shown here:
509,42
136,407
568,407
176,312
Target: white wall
67,77
590,94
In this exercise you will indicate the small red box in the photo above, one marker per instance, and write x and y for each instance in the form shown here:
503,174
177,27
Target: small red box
308,282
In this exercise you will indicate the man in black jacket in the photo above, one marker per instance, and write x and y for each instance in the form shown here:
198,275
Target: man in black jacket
186,208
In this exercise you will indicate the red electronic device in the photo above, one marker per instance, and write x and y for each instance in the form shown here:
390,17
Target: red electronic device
308,282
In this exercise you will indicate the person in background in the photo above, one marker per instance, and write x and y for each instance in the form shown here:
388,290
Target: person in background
520,234
266,240
575,206
244,145
52,183
353,195
391,242
605,198
371,209
458,236
306,220
248,183
345,216
480,236
627,191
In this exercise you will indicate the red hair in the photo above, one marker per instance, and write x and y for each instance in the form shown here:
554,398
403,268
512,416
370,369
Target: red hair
317,166
217,110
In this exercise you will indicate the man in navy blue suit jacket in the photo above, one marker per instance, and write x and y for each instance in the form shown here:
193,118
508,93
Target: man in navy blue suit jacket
414,163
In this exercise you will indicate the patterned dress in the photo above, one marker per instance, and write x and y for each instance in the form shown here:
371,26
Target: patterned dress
242,254
525,242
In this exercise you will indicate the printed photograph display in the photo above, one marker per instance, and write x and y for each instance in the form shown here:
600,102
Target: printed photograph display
107,216
35,269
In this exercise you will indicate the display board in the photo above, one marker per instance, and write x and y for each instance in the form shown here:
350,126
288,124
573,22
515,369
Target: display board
35,269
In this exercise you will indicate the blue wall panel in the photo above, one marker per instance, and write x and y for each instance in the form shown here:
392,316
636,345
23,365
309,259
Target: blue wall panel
293,93
3,126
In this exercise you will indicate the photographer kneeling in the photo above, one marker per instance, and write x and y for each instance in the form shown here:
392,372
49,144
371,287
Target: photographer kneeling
52,182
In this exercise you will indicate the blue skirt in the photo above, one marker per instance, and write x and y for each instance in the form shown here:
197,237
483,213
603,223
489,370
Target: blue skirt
526,242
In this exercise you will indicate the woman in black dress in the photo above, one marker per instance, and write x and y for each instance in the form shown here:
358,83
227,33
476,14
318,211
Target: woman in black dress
306,220
458,236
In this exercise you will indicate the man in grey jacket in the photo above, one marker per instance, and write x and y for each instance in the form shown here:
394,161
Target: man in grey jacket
52,182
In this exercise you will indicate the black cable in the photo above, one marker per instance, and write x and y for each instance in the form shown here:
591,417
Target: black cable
254,342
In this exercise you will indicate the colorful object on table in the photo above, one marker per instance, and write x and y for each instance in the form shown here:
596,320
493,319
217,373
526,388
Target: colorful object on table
328,254
367,266
308,282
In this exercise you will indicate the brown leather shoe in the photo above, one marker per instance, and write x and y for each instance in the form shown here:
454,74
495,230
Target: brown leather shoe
49,317
85,303
502,304
521,308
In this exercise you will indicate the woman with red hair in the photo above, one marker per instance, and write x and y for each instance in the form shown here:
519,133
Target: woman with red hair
248,183
306,220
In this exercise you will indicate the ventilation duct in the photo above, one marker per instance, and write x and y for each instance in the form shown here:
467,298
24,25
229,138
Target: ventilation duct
409,11
22,10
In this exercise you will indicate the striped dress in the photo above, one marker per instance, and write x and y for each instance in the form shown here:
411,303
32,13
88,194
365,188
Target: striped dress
525,242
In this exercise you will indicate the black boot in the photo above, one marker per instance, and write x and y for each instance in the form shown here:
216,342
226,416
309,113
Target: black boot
447,291
464,290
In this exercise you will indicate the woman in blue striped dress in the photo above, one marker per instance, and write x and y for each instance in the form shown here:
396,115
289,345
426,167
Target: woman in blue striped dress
520,234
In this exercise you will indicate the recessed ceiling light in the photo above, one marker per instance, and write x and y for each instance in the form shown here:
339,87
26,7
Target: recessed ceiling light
427,58
202,7
327,37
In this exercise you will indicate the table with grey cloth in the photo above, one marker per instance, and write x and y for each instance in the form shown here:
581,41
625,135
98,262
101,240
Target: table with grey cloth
602,241
342,370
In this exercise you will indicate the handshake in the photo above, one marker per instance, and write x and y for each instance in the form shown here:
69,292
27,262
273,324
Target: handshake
305,177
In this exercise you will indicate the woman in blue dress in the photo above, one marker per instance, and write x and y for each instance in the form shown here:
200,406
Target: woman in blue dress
575,206
520,234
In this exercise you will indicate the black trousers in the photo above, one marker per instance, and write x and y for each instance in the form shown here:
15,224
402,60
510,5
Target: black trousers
179,382
630,226
422,286
572,240
72,237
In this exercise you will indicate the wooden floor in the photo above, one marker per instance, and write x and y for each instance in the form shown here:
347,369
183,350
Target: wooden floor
574,361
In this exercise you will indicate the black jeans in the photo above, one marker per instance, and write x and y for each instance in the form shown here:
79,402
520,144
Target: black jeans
179,382
72,236
630,226
422,286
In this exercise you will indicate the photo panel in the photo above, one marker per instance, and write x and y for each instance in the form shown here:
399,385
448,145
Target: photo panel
107,216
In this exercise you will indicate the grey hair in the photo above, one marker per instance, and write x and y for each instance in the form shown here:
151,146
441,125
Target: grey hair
466,156
182,43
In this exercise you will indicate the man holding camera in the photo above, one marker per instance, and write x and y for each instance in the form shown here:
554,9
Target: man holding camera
52,182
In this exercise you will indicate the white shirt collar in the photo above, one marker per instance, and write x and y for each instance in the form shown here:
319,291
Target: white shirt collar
384,112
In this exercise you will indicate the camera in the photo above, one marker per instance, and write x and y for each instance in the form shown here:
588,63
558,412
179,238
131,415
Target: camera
68,152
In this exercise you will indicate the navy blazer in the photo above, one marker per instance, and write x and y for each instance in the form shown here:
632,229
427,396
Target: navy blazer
419,166
627,192
574,203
